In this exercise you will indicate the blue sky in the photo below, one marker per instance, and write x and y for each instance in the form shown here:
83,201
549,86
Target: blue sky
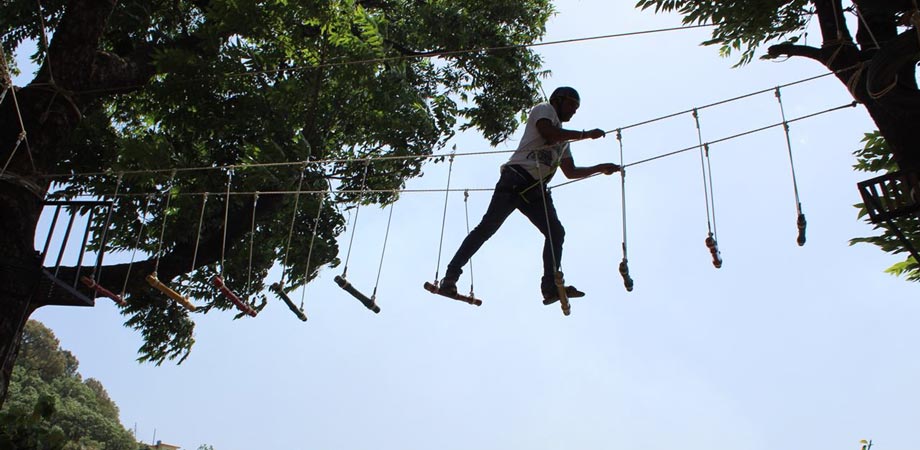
783,347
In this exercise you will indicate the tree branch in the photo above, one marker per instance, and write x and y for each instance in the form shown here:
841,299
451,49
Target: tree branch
405,51
775,51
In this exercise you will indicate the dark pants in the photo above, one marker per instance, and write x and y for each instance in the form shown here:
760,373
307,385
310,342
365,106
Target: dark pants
516,190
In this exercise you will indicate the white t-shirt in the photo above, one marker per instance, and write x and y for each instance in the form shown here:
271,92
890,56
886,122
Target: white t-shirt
532,153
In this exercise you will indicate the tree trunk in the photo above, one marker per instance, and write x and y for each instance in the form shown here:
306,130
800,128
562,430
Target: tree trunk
20,272
879,72
15,309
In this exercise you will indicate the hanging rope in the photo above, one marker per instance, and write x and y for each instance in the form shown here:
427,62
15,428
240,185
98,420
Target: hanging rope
699,135
306,272
711,240
386,237
137,243
466,196
624,264
97,269
252,240
800,221
44,40
341,280
223,246
21,138
287,250
90,281
558,279
218,280
437,267
156,264
204,201
875,95
278,287
866,24
354,225
152,278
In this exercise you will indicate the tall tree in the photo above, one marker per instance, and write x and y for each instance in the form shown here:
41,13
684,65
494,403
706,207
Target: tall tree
51,407
128,87
878,67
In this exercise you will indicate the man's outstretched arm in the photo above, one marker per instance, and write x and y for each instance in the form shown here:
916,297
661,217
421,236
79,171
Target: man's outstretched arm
554,134
571,171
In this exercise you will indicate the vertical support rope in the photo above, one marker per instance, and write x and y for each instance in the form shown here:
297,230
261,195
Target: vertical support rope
711,240
466,196
557,273
712,192
89,222
866,24
223,246
549,234
137,242
156,264
622,189
801,223
699,135
22,127
252,239
306,271
450,170
204,201
97,270
44,40
354,224
386,237
624,264
287,249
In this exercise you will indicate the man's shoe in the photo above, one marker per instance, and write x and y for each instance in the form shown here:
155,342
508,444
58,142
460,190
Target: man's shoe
447,287
551,296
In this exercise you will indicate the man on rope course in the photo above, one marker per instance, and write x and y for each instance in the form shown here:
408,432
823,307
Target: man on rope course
522,186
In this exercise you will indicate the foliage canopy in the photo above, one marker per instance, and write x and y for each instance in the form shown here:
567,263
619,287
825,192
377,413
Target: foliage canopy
260,96
51,407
